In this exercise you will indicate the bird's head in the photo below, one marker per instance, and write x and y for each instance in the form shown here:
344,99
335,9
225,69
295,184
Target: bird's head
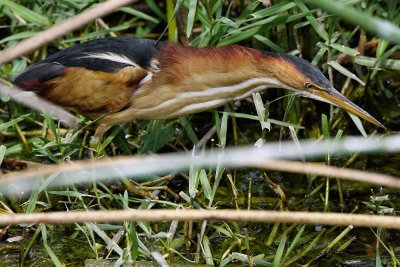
301,76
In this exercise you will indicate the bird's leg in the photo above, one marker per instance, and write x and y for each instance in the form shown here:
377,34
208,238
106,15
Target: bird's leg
101,128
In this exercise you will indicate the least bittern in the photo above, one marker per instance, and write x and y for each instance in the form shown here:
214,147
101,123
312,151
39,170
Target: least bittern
127,79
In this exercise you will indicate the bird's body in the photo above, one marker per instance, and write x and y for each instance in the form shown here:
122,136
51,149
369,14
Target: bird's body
130,78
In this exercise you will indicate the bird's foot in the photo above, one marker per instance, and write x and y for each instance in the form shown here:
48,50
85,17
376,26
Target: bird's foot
100,130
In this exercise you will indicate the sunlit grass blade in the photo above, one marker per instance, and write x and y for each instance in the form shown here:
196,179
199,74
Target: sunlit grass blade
345,49
207,251
239,36
391,64
378,26
5,125
269,43
205,184
190,18
325,126
139,14
358,123
25,13
17,36
279,252
345,72
2,153
294,243
314,23
274,9
253,117
261,111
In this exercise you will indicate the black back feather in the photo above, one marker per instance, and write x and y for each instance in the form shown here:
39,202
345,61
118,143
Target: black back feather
140,51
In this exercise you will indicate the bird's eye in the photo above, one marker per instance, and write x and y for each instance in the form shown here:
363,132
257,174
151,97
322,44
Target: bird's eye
309,86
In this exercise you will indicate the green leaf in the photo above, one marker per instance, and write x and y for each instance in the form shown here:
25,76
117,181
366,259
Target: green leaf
314,23
294,242
390,64
205,184
249,8
11,123
253,117
378,26
279,251
223,130
258,103
239,36
229,22
156,137
345,49
325,126
274,9
188,129
2,153
268,43
345,71
190,19
358,124
207,251
154,7
49,251
25,13
138,14
17,36
70,194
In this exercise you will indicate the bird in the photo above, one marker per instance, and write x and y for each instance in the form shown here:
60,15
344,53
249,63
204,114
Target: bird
116,80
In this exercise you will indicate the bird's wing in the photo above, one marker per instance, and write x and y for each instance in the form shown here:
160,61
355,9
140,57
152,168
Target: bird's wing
98,75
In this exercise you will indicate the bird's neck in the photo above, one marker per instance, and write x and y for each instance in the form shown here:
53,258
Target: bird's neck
216,67
204,77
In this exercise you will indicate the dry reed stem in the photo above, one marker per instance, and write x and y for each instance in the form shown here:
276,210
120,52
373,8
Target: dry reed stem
33,101
83,171
61,29
157,215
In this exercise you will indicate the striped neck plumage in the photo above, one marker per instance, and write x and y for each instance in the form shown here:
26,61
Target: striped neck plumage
192,80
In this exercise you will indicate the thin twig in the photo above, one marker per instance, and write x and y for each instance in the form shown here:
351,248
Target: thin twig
157,215
61,29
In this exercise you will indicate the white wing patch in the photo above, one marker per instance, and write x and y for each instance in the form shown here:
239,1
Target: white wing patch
113,57
148,77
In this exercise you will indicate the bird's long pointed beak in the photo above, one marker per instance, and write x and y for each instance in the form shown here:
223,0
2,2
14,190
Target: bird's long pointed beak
334,97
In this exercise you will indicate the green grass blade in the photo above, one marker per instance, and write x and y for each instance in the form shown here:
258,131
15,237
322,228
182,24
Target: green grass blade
378,26
188,129
313,22
345,72
205,184
239,36
49,251
279,251
18,36
2,153
358,124
25,13
138,14
345,49
190,19
261,111
370,62
295,242
207,251
325,126
274,9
